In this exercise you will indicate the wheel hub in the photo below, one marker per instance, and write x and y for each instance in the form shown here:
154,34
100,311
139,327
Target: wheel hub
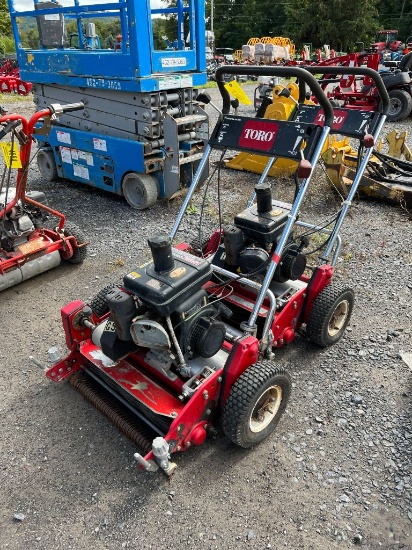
338,318
265,409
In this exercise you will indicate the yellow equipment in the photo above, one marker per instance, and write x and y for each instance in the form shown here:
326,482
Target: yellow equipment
280,109
384,179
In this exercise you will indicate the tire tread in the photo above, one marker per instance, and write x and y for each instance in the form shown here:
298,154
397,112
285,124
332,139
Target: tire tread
317,320
241,395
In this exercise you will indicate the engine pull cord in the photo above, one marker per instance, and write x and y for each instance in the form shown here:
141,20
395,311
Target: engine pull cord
209,180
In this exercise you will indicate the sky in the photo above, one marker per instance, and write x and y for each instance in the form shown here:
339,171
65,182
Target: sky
28,4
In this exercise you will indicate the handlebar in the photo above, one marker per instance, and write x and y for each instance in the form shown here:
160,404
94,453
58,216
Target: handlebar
286,72
360,71
58,109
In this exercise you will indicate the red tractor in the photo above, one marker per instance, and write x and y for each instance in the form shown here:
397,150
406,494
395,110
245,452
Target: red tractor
386,40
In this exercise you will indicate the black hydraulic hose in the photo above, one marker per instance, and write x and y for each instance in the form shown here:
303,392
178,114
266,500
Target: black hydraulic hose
286,72
360,71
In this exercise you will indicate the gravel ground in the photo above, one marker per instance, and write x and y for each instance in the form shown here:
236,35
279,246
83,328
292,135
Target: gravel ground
335,474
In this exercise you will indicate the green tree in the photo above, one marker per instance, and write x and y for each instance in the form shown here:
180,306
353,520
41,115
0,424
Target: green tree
397,15
339,23
5,22
236,21
6,45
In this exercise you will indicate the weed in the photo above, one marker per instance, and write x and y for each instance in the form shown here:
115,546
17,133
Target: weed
192,209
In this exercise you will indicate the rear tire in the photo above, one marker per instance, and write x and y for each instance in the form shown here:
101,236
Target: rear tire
255,404
46,164
330,315
139,190
79,254
400,105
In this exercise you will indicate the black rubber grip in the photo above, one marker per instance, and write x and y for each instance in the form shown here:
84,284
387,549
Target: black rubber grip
72,107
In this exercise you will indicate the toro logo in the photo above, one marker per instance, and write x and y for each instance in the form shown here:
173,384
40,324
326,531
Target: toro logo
339,118
258,135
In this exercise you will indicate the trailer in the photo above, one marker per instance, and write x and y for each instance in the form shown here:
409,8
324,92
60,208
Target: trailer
142,131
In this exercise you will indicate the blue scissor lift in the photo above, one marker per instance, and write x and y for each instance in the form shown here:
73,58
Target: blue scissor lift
141,133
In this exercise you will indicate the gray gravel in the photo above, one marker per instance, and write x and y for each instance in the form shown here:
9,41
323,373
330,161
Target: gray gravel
336,473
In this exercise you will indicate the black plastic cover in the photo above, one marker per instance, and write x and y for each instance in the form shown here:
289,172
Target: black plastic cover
263,227
163,292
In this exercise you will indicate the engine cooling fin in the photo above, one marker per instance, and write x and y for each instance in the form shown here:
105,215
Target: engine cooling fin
118,416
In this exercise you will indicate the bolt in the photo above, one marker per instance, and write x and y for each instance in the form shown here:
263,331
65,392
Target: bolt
187,444
205,394
178,448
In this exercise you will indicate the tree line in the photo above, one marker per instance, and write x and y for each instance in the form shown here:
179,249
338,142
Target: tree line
338,23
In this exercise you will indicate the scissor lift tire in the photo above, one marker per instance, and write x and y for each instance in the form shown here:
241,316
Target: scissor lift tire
139,190
47,164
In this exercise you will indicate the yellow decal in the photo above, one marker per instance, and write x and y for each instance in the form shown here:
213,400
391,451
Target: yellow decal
11,155
178,272
275,213
237,92
30,58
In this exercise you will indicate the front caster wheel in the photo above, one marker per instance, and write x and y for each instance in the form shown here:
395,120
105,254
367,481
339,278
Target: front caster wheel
255,404
330,315
79,254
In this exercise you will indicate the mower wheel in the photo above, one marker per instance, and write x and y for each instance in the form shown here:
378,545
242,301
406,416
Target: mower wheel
400,105
98,304
139,190
79,254
255,404
330,315
47,164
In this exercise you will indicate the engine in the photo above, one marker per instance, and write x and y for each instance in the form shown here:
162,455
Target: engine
248,244
20,222
163,307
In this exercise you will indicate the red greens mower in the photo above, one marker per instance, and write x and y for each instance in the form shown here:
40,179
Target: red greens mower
27,246
188,338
